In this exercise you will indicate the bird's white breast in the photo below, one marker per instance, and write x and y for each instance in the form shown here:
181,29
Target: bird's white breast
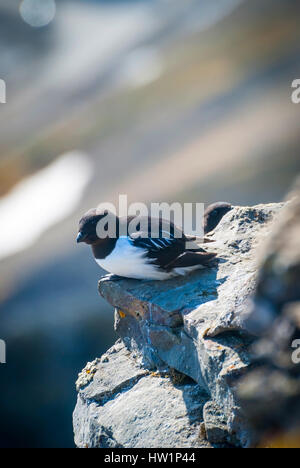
131,262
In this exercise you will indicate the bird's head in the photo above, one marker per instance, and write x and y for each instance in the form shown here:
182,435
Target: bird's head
88,226
214,214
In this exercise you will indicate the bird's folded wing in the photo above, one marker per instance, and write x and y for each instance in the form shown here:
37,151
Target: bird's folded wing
157,244
161,250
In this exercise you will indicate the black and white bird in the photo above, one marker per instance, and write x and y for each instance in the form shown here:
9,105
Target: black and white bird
137,254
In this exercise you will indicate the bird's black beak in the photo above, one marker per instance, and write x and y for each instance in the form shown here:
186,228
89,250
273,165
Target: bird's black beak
80,238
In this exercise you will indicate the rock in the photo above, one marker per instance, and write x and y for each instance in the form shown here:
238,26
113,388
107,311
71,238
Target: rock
127,406
215,424
193,326
270,394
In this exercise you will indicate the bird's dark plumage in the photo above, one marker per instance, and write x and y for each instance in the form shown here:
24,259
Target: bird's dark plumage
213,215
138,254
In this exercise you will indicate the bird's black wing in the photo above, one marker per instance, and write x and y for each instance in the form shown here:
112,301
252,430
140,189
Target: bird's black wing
169,250
161,251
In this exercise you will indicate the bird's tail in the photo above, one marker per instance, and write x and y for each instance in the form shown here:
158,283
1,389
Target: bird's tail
189,259
198,240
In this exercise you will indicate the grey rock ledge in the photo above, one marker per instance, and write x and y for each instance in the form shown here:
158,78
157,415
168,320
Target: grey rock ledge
170,380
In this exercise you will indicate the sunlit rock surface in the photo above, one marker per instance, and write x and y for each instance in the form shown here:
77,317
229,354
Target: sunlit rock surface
126,405
186,345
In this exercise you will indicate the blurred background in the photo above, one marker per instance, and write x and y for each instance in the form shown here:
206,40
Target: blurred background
164,100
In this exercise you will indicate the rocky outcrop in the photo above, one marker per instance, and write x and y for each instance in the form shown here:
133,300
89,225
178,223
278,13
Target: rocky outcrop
270,393
171,379
125,405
